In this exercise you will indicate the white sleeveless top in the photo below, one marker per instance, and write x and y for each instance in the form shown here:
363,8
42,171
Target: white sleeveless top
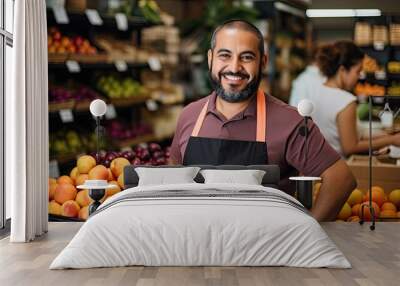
329,102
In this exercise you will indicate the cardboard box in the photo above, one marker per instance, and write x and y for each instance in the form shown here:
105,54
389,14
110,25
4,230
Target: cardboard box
384,175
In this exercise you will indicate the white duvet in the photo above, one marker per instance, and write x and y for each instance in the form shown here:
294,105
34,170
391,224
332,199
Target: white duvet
185,230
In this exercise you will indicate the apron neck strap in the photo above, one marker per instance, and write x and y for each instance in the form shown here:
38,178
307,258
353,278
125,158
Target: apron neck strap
261,118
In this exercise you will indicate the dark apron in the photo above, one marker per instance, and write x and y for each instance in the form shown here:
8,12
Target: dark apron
213,151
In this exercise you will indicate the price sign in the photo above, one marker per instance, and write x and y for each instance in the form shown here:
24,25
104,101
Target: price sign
66,115
380,75
94,17
379,46
111,113
154,63
60,15
122,21
151,105
73,66
121,66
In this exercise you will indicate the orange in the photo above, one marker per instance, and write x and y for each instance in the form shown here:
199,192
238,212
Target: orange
52,181
80,180
377,197
52,191
388,206
121,181
366,211
74,173
98,172
378,189
353,218
85,163
394,197
345,212
356,197
65,180
64,192
388,214
355,210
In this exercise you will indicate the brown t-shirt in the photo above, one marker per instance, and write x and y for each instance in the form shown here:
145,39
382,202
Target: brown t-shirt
285,146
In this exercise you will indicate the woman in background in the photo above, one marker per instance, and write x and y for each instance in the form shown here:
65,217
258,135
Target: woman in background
335,105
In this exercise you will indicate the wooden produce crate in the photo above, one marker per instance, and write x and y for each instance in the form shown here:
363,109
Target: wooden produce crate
384,175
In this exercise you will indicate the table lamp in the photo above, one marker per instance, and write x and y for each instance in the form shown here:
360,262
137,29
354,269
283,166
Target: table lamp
97,188
304,184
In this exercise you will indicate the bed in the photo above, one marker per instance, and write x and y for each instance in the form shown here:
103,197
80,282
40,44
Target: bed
201,224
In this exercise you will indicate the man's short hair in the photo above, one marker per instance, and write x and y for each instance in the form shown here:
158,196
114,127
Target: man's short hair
243,25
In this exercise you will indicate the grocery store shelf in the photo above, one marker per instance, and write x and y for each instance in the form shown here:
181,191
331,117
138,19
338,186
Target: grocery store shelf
83,106
55,107
395,76
65,158
80,18
129,101
97,65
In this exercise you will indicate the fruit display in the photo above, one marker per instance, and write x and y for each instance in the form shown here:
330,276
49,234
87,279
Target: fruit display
66,142
59,43
68,201
117,129
385,205
370,65
60,94
367,89
84,93
142,154
116,87
81,93
394,67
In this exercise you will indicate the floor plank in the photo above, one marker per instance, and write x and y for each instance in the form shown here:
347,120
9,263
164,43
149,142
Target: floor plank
375,257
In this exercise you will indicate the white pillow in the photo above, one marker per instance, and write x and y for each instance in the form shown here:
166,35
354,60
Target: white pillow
166,176
248,177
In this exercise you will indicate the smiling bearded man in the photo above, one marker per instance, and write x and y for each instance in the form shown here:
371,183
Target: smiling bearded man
238,124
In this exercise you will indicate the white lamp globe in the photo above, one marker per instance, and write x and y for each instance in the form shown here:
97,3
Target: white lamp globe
98,107
305,107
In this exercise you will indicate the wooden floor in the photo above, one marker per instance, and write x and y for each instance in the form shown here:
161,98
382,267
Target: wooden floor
375,257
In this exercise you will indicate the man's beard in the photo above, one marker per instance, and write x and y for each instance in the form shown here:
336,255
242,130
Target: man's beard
239,96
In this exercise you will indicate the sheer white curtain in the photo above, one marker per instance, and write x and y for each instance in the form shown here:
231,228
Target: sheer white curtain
27,123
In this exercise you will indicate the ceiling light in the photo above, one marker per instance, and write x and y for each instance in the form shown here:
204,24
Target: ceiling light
327,13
